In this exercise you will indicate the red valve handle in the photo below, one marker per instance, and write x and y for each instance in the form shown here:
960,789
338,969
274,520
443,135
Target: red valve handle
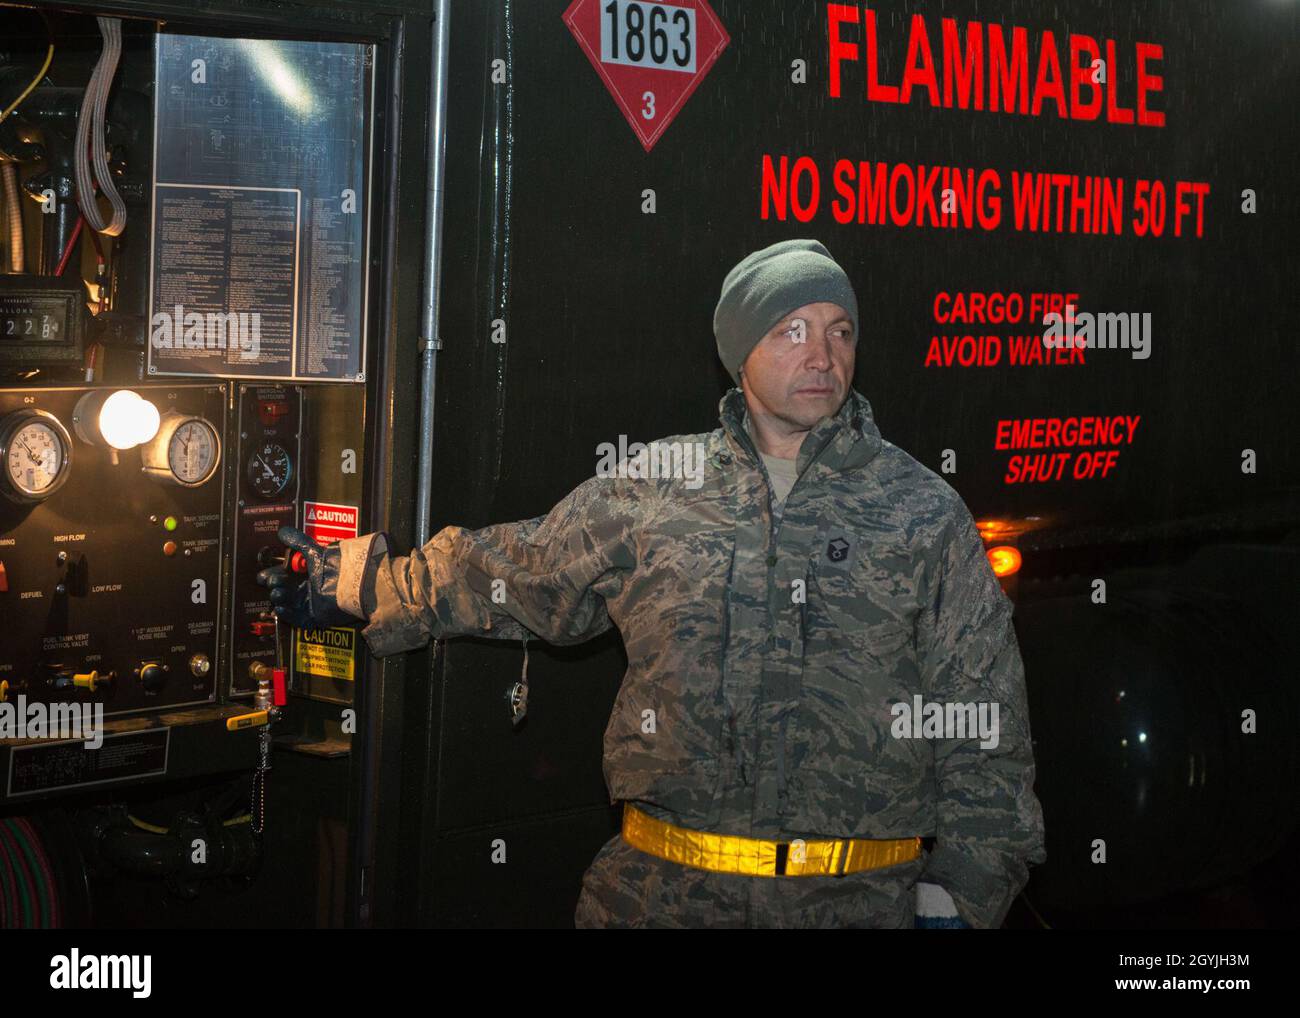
279,693
298,562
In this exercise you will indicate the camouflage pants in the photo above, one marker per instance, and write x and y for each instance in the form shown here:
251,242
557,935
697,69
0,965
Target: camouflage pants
624,888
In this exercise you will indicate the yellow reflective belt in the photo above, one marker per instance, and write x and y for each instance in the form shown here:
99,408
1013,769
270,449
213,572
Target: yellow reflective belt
724,853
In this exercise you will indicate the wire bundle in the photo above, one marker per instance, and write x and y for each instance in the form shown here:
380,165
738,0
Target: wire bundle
90,145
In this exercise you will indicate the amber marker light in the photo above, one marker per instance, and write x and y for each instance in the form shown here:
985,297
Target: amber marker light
1004,559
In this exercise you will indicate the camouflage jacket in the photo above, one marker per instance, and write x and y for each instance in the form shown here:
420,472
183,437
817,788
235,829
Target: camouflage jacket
775,652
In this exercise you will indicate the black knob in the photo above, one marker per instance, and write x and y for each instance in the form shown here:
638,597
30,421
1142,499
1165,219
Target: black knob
270,556
152,676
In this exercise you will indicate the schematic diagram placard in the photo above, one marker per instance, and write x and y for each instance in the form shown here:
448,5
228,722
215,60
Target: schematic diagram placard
260,225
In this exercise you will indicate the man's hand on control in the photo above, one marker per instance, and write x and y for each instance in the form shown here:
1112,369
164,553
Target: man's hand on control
310,603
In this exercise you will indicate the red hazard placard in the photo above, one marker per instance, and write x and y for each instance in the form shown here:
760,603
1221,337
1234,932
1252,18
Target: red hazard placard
650,54
325,523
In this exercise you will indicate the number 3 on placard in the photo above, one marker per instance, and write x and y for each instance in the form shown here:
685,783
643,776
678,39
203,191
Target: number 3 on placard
648,110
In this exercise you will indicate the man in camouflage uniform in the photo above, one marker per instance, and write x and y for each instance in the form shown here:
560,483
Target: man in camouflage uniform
775,607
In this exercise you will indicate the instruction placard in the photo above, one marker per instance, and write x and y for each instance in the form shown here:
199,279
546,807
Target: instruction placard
260,220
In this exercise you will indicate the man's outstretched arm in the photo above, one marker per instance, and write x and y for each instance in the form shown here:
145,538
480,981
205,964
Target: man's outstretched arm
990,823
547,576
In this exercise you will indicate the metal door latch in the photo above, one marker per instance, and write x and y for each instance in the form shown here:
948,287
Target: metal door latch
518,695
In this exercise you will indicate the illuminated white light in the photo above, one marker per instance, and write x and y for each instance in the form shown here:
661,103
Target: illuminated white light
127,419
1142,736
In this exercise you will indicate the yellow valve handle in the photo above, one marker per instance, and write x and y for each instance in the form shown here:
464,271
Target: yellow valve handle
88,680
254,720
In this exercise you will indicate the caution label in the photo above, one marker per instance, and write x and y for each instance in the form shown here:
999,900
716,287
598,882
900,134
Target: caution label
327,653
326,523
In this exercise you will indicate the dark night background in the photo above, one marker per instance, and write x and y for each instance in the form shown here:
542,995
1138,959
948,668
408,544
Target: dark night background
609,313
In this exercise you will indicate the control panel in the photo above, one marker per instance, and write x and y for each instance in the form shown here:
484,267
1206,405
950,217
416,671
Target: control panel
180,378
267,483
111,544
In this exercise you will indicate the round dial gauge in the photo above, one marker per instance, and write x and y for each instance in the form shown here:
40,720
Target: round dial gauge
36,453
186,450
194,451
270,470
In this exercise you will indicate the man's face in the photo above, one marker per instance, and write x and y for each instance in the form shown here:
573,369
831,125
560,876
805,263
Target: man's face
801,370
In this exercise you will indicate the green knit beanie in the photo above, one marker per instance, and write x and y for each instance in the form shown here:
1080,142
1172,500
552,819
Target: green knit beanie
769,284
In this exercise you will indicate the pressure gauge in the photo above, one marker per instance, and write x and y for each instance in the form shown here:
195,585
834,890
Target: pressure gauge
36,451
186,450
269,470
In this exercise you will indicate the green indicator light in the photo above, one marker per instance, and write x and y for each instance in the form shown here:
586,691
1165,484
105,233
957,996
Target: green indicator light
170,523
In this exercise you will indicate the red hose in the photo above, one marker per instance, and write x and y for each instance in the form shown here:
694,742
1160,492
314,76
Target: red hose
67,251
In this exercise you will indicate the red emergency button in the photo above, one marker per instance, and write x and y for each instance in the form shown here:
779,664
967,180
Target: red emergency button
271,410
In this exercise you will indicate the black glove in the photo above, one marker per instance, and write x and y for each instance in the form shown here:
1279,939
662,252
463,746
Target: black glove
311,603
